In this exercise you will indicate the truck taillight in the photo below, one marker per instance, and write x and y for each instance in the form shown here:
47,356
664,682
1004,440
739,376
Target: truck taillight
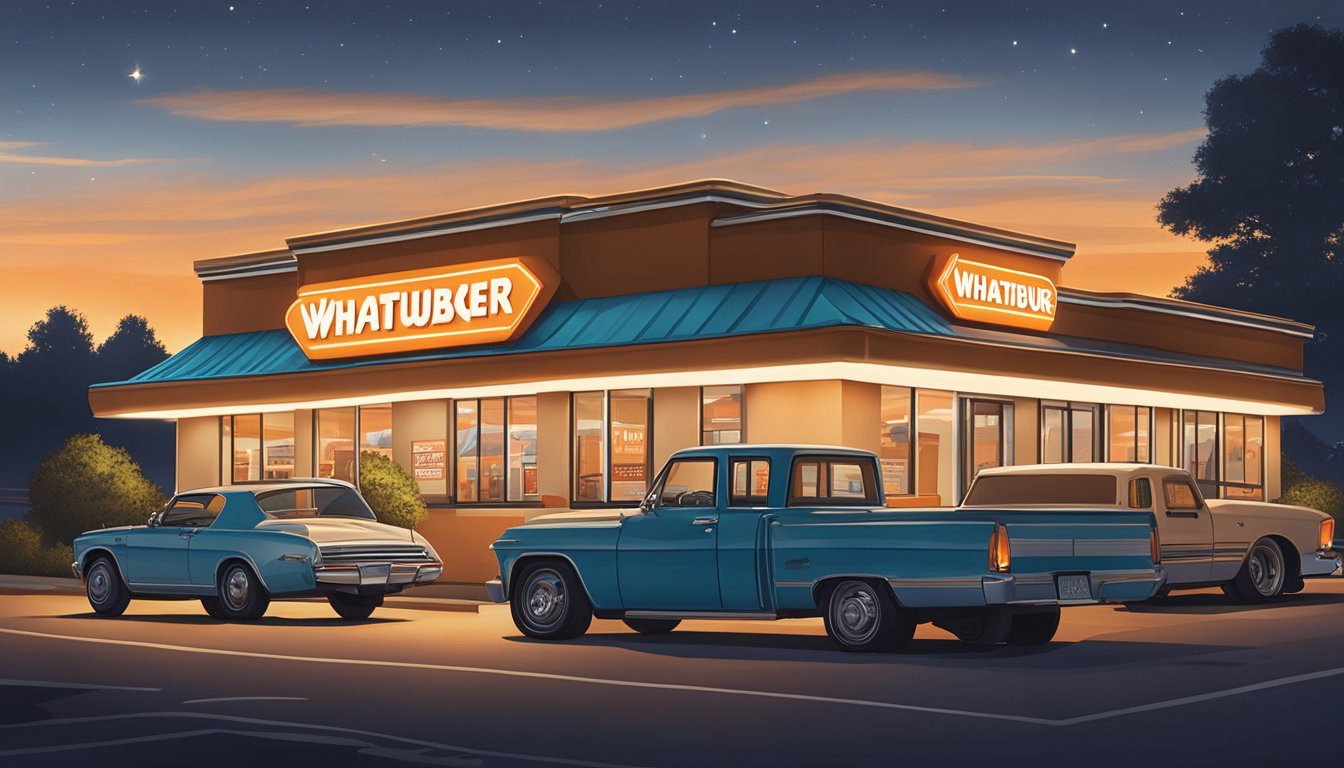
1154,546
1327,533
1000,556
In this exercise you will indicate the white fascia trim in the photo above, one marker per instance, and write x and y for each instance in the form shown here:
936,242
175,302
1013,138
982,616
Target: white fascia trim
238,274
874,373
604,211
752,218
1126,304
505,222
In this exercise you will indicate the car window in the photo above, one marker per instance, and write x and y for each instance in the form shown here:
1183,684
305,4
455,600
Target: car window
192,511
329,501
832,481
1140,493
751,482
688,483
846,480
1070,488
1180,493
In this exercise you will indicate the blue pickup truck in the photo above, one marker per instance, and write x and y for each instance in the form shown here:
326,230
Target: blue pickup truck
774,532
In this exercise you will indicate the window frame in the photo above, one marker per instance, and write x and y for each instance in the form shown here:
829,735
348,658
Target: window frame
750,500
656,493
1151,424
1100,420
453,433
741,414
205,508
824,461
1170,480
607,452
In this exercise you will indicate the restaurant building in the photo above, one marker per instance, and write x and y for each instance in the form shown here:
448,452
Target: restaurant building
553,352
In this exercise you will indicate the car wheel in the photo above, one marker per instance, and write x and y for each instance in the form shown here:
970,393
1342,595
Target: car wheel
212,607
106,591
862,618
652,626
354,607
1036,628
549,602
1262,576
241,595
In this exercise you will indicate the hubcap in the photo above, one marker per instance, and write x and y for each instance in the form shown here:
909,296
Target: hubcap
545,592
100,584
1266,570
236,588
854,612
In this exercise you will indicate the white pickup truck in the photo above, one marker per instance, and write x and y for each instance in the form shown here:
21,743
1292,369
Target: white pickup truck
1255,551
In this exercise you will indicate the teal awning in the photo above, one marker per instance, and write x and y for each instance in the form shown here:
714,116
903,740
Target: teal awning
687,314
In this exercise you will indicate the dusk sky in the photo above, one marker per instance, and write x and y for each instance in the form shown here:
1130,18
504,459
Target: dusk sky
247,122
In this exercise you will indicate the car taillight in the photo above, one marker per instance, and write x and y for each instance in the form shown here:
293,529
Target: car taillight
1154,546
1327,533
1000,556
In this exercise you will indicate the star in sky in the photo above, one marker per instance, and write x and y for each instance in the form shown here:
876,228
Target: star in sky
136,74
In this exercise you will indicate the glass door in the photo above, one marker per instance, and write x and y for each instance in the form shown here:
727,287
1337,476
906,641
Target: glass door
986,437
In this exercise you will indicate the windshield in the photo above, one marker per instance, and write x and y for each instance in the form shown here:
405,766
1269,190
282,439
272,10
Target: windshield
326,501
999,490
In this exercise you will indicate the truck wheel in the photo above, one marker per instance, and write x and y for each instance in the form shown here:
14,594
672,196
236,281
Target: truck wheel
1037,628
652,626
1262,576
241,595
212,607
862,618
107,593
549,602
354,607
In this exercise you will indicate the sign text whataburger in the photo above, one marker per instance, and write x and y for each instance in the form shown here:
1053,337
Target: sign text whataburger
986,293
480,303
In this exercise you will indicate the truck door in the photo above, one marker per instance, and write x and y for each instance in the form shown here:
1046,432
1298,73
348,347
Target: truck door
1185,528
742,531
667,558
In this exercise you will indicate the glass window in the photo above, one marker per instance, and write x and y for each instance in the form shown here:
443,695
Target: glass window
991,490
1054,442
1140,493
375,428
1243,453
1128,433
689,483
1069,432
468,449
225,450
629,444
1199,449
935,465
987,434
721,419
1179,494
313,502
837,481
751,482
522,449
807,480
846,480
334,441
196,511
278,444
1083,434
589,433
246,448
894,440
492,450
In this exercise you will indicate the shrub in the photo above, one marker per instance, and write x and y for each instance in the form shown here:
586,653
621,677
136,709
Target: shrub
87,484
23,552
1306,490
390,490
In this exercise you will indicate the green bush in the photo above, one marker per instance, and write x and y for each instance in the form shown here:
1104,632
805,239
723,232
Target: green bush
87,484
23,552
1304,490
390,490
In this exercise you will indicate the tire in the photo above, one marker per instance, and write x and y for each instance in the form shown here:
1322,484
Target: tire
1037,628
652,626
1263,575
549,602
107,593
212,607
241,595
354,607
862,618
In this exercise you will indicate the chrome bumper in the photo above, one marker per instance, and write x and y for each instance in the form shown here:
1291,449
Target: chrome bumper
495,588
374,574
78,569
1321,563
1025,589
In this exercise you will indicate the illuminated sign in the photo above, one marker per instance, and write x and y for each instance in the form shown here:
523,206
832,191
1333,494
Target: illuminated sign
985,293
484,302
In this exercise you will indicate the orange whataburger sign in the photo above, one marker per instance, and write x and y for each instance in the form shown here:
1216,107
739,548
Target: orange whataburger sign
484,302
985,293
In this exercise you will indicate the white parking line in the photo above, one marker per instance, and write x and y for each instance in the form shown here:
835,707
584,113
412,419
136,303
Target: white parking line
244,698
778,695
10,683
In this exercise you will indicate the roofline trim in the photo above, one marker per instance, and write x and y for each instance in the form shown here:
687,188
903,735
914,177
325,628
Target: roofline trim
434,230
1213,317
256,270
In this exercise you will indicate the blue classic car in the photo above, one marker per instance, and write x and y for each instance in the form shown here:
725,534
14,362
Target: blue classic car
772,532
235,547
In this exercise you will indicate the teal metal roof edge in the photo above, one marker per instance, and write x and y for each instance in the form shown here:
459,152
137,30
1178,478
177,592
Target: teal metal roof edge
685,314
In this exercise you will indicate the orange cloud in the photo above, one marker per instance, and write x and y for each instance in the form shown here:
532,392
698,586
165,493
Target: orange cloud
308,108
7,155
128,246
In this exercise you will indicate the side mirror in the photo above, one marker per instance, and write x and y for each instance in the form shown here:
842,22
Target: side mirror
647,507
153,520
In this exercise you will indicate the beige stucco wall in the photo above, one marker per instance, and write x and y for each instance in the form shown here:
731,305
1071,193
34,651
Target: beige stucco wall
420,420
676,421
553,447
795,412
303,443
198,452
861,415
1026,431
1163,439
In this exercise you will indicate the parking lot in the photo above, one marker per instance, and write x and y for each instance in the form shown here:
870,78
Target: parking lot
1192,678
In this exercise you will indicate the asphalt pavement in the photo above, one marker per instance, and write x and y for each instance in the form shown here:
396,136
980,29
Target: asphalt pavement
1193,679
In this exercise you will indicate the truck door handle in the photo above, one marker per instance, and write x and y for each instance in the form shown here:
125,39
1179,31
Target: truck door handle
188,534
705,521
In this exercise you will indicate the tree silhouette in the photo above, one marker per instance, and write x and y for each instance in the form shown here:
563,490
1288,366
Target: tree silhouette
1269,190
132,348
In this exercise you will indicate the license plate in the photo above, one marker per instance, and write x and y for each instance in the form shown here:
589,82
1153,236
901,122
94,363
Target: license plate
1074,587
374,574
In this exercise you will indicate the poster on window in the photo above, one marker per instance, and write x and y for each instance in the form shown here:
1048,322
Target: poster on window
894,473
629,463
428,459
